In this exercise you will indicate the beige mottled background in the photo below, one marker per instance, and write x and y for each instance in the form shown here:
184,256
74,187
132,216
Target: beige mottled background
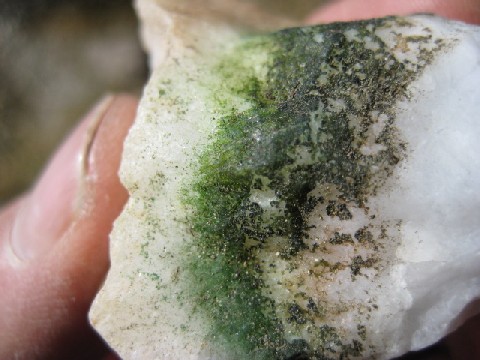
56,59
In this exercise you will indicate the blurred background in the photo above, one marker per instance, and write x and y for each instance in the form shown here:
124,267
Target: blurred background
57,57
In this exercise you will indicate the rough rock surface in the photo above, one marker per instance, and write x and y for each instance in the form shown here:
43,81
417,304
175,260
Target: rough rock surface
313,192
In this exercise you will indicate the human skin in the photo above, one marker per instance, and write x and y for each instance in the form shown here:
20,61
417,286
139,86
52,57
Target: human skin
347,10
54,238
53,261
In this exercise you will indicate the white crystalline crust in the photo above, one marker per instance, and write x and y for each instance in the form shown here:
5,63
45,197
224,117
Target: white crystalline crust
434,195
440,250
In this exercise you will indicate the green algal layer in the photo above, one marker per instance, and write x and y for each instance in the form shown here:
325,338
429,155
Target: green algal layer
307,126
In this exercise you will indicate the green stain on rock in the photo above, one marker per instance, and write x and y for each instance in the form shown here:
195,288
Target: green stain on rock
309,118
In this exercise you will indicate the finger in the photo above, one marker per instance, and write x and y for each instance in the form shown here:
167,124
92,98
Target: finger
463,343
347,10
54,242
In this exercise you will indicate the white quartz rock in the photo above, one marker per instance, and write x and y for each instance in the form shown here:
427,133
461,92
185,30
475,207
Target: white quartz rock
315,192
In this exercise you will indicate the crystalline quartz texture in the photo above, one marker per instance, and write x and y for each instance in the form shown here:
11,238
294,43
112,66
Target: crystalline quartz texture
374,275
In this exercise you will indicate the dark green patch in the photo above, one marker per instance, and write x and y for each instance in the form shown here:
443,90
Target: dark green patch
143,250
362,332
339,239
155,278
296,314
340,210
364,236
358,263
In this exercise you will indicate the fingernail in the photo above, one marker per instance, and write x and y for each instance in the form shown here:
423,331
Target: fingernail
53,203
